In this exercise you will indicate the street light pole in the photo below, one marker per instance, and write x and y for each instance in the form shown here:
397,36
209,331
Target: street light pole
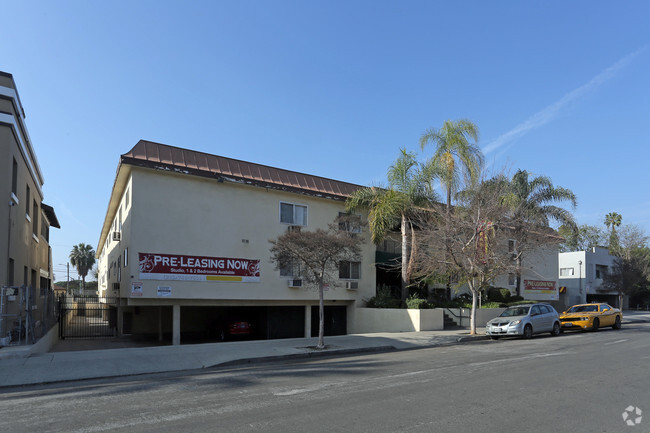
580,277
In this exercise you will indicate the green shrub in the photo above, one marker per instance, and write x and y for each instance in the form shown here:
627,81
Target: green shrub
383,299
415,303
499,294
521,302
492,305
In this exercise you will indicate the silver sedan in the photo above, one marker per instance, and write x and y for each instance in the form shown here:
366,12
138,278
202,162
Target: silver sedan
524,320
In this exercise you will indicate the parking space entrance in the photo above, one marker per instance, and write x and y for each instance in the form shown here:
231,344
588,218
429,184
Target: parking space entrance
86,317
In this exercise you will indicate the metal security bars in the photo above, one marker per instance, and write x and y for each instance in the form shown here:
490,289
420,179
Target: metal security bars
26,314
87,317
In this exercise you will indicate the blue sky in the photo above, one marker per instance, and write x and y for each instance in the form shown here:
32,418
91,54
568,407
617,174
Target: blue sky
333,88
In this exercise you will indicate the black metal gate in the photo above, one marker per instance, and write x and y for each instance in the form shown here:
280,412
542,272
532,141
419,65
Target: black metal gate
87,317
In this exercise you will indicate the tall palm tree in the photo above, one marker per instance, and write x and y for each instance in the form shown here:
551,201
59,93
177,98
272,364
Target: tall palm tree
408,190
456,153
82,257
531,202
613,220
456,156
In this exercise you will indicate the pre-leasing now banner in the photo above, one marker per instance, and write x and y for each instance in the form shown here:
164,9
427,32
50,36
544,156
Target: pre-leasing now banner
540,290
198,268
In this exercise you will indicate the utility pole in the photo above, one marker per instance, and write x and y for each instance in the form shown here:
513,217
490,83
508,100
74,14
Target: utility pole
67,284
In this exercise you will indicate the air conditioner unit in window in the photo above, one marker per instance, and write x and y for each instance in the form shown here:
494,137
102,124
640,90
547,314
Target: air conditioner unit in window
295,283
293,229
351,285
117,236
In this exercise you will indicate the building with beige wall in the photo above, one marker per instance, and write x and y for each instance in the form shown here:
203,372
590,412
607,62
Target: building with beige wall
25,222
185,247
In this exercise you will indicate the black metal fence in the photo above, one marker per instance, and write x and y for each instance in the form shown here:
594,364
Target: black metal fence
87,317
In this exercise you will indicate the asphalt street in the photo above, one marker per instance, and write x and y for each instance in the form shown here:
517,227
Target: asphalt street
580,382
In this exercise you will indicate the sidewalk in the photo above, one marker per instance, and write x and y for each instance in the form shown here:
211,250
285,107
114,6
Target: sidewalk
91,364
76,364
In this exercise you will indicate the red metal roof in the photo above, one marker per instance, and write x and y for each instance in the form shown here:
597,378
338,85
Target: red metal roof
162,156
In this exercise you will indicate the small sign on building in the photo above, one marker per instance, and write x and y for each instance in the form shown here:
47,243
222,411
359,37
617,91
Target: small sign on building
164,291
136,289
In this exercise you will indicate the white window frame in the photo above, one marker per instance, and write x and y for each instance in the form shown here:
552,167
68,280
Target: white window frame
567,272
350,227
350,276
293,267
294,205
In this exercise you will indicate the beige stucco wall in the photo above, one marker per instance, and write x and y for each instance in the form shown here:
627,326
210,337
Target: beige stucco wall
460,316
17,238
172,213
372,320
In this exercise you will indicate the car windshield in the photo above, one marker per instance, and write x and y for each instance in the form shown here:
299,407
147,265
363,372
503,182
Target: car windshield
515,311
583,308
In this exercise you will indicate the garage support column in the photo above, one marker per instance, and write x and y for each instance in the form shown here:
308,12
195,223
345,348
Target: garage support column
176,329
307,321
120,318
160,331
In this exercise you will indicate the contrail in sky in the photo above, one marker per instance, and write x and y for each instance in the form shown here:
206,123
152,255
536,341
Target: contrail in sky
549,113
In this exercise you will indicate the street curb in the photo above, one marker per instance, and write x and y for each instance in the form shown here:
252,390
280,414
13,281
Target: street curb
472,338
263,359
311,354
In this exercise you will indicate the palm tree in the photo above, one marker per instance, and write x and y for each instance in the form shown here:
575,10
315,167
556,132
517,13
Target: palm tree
613,220
455,154
82,257
408,190
532,204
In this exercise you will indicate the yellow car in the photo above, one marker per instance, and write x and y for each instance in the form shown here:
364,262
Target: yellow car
591,316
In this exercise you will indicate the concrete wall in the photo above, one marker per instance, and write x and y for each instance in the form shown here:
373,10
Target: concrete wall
461,316
369,320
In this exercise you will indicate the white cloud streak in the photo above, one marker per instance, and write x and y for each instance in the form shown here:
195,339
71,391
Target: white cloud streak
549,113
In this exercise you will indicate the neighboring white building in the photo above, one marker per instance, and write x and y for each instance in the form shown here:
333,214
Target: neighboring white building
581,276
539,276
185,244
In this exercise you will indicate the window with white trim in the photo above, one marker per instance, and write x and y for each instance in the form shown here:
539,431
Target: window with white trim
349,270
349,222
293,214
511,279
289,268
566,272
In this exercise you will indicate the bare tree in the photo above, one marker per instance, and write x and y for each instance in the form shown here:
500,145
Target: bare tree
319,255
626,277
479,230
473,246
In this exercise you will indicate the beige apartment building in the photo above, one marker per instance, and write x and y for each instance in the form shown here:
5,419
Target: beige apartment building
25,222
185,247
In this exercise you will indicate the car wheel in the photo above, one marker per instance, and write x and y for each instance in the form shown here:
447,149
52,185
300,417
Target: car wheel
556,329
617,323
596,325
528,331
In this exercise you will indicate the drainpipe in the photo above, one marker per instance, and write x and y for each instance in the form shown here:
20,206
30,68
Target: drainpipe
12,203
